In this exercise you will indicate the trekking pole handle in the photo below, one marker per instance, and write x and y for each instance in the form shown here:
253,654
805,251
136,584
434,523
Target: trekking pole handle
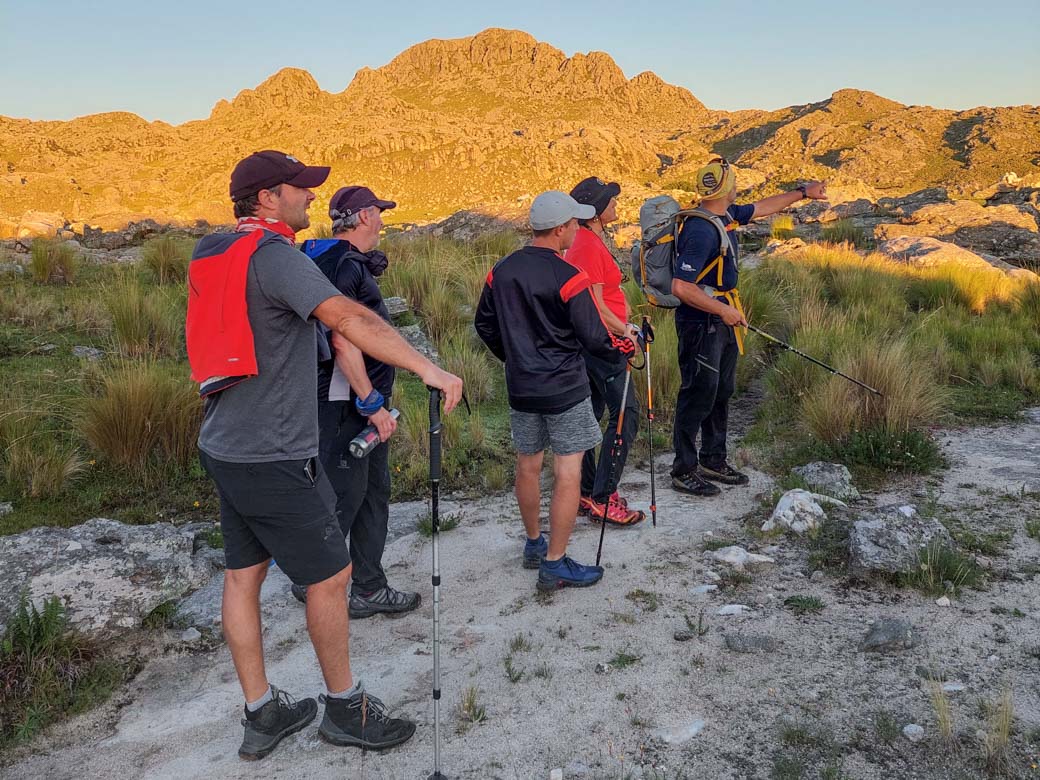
648,330
435,434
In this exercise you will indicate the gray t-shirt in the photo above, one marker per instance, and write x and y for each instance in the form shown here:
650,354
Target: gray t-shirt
273,416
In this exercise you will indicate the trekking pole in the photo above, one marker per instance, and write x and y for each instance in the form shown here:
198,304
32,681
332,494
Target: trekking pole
615,451
811,359
435,481
648,338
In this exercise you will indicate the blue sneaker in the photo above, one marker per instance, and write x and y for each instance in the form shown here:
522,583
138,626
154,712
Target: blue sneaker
567,573
535,552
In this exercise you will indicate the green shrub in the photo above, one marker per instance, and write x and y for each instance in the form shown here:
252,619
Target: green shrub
34,461
46,672
940,566
53,261
167,258
142,417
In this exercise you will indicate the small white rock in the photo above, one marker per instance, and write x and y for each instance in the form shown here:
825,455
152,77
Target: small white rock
733,609
73,545
954,687
712,576
913,732
816,576
556,774
738,557
191,635
943,601
680,734
700,590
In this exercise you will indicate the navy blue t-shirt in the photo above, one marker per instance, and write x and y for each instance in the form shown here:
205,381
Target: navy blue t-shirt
698,247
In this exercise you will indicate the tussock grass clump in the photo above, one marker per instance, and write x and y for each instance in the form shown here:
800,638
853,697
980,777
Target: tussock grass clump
143,418
167,258
144,322
998,735
941,566
53,262
782,227
844,231
34,460
47,672
470,711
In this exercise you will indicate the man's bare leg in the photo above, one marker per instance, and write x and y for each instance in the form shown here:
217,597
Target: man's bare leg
241,620
564,507
529,492
328,624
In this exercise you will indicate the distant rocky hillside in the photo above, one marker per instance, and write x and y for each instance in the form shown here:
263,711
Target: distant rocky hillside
485,122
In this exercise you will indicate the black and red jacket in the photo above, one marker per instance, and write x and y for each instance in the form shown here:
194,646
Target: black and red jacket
537,314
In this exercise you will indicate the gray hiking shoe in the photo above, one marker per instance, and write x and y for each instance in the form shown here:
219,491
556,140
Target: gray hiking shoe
385,600
279,718
362,721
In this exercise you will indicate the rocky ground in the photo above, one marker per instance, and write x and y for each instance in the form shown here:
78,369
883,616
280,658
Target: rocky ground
645,675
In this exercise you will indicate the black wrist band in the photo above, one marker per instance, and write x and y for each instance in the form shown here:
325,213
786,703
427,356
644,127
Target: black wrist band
801,188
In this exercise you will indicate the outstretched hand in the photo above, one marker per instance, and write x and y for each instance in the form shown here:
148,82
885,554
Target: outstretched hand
816,190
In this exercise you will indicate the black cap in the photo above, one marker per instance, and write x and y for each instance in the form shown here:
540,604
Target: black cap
350,200
595,192
263,170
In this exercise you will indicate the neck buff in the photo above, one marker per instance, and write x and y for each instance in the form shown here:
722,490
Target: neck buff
249,224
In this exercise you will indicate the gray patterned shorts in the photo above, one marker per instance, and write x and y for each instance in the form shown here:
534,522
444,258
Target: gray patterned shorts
566,433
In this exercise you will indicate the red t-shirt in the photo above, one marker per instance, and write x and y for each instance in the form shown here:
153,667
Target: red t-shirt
590,255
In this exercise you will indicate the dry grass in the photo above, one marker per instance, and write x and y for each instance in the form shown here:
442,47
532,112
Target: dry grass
998,735
34,460
143,417
145,323
53,262
167,258
782,227
943,713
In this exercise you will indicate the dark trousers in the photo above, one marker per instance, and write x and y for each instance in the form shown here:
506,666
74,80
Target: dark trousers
362,490
703,402
607,381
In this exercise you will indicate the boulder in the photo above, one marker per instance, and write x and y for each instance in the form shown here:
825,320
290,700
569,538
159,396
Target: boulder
925,252
1010,232
889,540
831,479
108,575
799,511
414,335
908,204
39,224
856,208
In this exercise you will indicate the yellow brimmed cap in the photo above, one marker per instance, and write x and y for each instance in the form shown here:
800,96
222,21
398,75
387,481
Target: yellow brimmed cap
715,179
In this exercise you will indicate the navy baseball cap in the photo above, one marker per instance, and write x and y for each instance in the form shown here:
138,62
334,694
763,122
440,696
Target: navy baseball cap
595,192
351,200
263,170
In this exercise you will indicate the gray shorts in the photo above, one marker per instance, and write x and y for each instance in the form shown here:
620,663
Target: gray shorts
566,433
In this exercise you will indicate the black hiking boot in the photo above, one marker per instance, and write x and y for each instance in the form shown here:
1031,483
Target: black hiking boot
362,721
385,600
299,593
723,473
279,718
691,482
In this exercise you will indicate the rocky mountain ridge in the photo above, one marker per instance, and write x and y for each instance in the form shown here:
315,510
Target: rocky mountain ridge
483,123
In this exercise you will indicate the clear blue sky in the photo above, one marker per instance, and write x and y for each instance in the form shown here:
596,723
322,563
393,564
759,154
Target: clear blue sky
173,61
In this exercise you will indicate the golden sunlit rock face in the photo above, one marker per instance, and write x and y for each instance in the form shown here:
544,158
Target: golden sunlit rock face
487,121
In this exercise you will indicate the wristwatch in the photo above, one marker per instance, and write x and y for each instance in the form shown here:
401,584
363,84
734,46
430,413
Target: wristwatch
801,188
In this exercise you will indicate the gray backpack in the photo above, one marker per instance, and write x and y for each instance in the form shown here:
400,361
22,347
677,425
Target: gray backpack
653,255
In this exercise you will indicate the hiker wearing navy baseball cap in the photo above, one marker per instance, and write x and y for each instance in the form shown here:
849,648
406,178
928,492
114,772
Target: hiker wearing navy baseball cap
353,392
253,301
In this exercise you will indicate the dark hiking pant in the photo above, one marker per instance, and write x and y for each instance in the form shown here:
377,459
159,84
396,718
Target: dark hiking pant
703,403
362,491
607,382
